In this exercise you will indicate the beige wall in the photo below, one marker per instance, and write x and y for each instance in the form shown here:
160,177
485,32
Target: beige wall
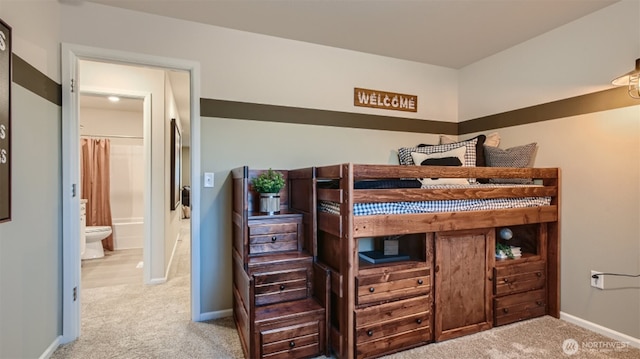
241,66
244,67
599,153
31,243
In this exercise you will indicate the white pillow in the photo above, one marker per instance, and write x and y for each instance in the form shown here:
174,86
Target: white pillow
492,139
457,152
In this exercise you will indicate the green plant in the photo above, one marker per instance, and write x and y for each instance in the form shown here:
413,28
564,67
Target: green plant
505,249
268,182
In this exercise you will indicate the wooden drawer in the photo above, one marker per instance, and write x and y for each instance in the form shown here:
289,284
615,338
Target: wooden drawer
392,311
281,286
394,343
393,326
296,341
395,285
519,278
516,307
273,237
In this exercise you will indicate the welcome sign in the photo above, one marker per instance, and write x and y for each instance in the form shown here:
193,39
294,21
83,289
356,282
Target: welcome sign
5,122
386,100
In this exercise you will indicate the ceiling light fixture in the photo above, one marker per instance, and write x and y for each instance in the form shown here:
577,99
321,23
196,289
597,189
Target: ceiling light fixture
114,98
630,79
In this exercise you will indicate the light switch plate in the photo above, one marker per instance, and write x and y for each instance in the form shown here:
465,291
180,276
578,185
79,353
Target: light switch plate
208,179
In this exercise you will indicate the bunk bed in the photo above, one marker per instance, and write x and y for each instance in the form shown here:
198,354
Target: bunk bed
411,264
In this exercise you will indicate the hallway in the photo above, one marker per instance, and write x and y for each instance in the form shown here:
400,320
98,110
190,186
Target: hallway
153,321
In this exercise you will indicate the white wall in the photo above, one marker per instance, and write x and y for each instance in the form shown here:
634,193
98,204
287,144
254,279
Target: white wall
31,243
127,159
598,153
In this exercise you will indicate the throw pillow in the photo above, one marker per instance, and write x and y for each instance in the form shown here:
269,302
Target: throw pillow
404,153
455,157
519,157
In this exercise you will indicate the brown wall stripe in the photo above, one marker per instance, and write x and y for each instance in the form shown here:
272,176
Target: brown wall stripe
35,81
594,102
271,113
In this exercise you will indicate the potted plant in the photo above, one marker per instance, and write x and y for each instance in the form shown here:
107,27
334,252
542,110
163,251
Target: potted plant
269,184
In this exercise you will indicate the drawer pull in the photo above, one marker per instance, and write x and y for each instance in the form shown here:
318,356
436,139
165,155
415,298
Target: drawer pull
370,332
274,238
372,289
281,286
539,274
506,310
420,281
419,321
292,344
539,302
506,280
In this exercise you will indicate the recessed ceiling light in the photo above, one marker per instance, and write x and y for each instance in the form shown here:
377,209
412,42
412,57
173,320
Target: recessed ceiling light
114,98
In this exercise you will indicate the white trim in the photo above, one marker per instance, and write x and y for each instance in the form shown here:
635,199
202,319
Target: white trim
215,315
70,203
610,333
70,54
51,348
173,253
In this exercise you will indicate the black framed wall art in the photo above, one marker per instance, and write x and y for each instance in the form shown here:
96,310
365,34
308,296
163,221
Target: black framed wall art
176,164
5,122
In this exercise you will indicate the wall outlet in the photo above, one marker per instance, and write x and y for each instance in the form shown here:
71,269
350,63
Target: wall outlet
598,281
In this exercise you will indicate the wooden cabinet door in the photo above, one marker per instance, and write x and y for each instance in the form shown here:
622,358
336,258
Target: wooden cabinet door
463,286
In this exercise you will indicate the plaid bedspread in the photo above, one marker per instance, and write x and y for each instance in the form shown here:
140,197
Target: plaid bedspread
367,209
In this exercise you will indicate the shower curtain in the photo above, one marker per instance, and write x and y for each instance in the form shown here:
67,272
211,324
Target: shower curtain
95,183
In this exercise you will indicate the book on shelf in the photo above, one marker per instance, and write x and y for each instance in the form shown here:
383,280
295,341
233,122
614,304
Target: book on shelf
377,257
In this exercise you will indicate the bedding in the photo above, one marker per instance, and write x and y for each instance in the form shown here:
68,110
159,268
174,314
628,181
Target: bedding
366,209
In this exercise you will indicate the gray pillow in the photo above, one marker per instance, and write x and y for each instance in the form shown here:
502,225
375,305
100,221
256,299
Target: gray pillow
519,157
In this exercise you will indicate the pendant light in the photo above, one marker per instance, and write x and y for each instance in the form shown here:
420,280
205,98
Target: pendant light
630,79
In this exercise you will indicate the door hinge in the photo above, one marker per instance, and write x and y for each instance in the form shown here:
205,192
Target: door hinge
75,293
73,190
72,84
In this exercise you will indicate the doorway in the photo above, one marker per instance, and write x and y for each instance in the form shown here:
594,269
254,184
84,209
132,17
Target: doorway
72,80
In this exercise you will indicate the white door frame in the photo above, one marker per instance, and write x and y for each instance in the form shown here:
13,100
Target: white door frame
71,54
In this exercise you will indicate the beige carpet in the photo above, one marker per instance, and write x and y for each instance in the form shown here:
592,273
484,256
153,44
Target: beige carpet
134,321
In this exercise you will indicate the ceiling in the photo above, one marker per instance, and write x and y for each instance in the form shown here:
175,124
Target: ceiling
449,33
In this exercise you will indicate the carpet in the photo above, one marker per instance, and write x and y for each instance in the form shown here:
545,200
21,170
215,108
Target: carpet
135,321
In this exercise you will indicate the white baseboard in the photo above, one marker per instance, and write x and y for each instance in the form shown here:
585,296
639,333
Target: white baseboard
215,315
163,280
610,333
52,348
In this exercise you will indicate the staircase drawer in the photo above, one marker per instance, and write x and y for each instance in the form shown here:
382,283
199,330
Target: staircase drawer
281,286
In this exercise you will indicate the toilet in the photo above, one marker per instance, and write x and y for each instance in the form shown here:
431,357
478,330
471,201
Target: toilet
91,236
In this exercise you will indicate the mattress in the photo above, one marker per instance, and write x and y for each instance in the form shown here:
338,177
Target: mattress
368,209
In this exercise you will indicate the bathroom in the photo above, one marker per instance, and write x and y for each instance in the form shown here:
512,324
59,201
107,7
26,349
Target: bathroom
142,176
115,123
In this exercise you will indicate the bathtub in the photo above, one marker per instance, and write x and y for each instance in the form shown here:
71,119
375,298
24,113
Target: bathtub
128,233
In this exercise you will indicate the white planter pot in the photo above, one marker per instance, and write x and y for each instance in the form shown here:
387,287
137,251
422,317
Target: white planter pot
269,203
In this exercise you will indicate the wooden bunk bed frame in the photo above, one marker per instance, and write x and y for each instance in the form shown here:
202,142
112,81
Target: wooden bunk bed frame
372,309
